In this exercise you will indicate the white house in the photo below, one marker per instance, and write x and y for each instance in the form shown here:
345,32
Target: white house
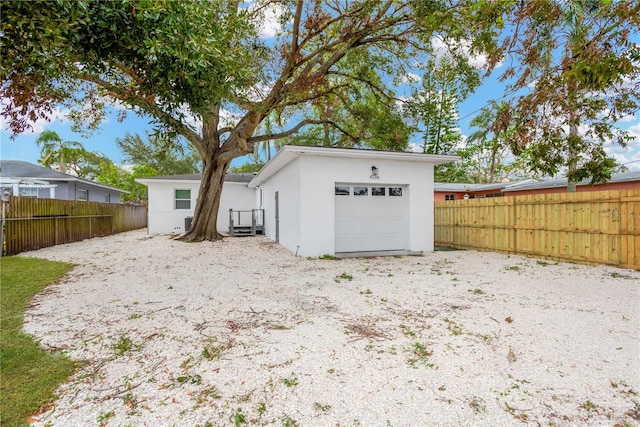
320,200
172,200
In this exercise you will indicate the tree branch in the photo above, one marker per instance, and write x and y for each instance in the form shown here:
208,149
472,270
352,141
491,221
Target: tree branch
148,106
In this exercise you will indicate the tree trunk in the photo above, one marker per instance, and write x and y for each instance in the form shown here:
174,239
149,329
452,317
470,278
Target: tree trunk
205,215
573,158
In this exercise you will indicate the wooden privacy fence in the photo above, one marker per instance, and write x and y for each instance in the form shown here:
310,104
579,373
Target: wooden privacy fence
30,224
595,227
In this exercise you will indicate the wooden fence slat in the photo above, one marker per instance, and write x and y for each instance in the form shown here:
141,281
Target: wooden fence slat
37,223
600,227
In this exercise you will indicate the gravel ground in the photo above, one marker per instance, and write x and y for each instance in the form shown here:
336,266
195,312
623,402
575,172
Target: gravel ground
243,332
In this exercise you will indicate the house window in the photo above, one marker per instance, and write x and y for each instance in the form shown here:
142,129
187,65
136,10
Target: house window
377,191
360,191
28,192
342,190
395,191
182,199
449,196
107,198
83,195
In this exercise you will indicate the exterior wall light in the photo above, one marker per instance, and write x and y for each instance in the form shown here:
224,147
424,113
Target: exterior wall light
374,173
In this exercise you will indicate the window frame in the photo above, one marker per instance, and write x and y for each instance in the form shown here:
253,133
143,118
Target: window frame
378,191
28,191
338,190
80,191
361,193
395,191
182,199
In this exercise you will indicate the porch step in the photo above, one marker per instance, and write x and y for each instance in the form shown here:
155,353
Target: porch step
245,230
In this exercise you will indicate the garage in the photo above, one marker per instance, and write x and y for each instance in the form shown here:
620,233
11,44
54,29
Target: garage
323,200
371,217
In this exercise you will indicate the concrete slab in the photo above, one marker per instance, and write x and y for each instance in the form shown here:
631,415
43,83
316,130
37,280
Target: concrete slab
372,254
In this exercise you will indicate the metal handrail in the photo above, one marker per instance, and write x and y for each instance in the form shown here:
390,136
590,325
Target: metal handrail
257,220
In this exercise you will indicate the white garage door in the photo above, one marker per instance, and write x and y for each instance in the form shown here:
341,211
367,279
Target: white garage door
371,218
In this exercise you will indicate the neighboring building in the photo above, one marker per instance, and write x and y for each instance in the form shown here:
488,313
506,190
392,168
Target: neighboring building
618,181
172,199
446,191
321,200
25,179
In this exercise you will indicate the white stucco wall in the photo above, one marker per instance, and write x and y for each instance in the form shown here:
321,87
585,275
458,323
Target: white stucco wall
164,218
307,199
287,183
236,196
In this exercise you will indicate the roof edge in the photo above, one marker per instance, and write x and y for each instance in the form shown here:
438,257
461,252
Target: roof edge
288,153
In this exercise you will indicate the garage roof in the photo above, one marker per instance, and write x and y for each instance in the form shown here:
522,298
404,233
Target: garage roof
290,152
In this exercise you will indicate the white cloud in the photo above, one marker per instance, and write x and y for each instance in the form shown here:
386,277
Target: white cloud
411,78
627,118
444,48
267,18
635,131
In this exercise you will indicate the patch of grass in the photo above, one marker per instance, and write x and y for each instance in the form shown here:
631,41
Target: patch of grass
320,407
634,413
287,421
477,404
452,326
213,351
262,408
617,275
190,379
123,345
407,332
206,395
589,406
344,276
329,257
476,291
419,353
104,416
238,418
292,381
30,374
512,268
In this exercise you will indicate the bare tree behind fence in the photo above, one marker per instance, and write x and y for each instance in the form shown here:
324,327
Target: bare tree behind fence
29,223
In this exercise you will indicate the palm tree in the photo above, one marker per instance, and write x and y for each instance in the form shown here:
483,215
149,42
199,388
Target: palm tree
53,150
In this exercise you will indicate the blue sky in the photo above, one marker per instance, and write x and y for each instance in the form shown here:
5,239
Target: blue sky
23,147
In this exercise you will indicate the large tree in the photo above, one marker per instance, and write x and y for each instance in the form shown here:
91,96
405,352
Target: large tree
188,63
164,156
576,75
